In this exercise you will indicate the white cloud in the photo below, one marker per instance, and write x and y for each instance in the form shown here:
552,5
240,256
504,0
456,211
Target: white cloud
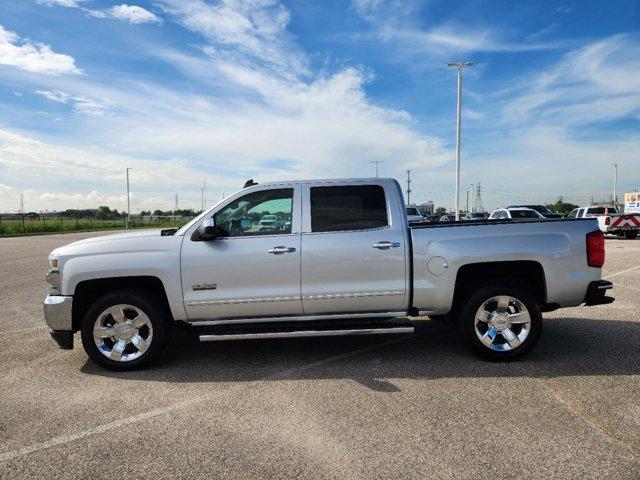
394,22
33,57
81,104
133,14
249,31
62,3
54,95
595,83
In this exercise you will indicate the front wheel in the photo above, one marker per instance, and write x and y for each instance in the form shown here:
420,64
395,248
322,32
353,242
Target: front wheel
501,322
125,330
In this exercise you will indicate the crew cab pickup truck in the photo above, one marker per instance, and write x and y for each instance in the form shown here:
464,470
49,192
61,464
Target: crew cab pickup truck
347,263
610,221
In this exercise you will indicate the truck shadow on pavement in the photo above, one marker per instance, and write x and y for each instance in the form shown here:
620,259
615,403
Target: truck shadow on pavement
569,347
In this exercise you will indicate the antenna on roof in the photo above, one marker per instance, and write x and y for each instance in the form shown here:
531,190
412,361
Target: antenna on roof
249,183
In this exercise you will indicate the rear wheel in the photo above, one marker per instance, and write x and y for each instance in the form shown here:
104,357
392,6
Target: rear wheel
501,322
125,330
631,235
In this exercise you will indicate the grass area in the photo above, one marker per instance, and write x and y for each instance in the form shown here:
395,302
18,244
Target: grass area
29,226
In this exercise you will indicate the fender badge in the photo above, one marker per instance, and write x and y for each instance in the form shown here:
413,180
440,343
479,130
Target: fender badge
204,286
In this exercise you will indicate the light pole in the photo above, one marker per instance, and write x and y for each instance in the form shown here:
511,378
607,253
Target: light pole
615,183
377,162
128,224
460,66
408,187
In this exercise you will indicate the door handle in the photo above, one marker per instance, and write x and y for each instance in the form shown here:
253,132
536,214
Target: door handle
281,249
385,245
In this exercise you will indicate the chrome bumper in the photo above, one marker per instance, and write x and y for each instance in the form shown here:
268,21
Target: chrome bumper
57,312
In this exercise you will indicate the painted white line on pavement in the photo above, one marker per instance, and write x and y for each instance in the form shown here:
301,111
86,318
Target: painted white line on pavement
623,271
71,437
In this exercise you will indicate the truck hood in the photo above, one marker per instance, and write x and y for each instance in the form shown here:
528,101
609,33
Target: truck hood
118,237
143,240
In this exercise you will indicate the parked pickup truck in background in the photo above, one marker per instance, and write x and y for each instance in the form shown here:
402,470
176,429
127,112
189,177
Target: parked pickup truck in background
346,263
610,220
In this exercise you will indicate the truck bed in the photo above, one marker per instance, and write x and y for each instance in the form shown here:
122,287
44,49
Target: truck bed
556,246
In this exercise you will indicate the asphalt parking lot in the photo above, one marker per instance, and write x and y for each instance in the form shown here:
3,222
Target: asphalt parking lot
415,406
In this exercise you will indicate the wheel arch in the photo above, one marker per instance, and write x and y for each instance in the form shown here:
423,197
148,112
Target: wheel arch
528,273
88,291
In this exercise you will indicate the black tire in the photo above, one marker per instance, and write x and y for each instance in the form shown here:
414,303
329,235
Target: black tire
631,235
477,297
150,305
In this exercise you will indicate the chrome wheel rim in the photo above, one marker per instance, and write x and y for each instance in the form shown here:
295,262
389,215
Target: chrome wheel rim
502,323
122,333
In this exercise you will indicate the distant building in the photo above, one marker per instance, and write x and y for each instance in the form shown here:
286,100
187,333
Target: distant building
427,208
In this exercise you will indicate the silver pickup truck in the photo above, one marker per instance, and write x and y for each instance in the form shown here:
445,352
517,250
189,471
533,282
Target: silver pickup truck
341,259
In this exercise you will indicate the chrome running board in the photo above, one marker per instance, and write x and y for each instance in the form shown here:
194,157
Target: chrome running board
298,318
308,333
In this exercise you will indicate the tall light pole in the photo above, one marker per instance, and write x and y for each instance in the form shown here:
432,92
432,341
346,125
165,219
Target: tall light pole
128,201
377,162
615,183
408,187
460,66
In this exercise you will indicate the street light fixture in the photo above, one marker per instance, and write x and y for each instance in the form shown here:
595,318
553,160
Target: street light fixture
459,66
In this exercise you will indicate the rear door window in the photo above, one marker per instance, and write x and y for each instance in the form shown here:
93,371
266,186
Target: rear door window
341,208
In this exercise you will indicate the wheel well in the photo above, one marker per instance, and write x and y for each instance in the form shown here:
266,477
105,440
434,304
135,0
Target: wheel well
527,273
89,291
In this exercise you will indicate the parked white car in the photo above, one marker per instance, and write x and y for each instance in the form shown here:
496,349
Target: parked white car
518,213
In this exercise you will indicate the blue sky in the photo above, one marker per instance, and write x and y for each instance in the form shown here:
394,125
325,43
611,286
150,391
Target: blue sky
184,91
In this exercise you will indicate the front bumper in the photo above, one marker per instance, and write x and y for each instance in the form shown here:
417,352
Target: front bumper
58,315
596,293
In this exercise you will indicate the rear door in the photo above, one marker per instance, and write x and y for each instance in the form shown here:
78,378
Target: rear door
354,249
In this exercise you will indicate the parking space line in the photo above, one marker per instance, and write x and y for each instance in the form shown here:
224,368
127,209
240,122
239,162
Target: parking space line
623,271
578,409
72,437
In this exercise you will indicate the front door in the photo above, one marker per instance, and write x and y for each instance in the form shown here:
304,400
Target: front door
354,252
254,269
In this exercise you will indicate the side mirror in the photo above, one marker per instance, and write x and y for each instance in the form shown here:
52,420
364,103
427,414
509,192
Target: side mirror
207,231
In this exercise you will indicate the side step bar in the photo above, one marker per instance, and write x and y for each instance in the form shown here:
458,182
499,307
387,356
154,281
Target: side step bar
307,333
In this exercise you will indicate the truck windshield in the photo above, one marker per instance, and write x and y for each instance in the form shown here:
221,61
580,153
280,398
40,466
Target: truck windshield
412,211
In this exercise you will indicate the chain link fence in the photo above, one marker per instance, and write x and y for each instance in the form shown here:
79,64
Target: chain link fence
28,224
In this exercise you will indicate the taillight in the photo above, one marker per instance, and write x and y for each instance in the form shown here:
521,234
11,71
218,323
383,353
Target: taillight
607,220
595,249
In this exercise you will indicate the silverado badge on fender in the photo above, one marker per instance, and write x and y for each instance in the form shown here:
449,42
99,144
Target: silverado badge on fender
204,286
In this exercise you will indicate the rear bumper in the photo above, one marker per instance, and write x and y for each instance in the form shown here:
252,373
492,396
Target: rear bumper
596,293
57,315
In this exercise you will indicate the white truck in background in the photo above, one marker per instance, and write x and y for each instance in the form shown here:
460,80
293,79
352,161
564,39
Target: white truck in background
611,221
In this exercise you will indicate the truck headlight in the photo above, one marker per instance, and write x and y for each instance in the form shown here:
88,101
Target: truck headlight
53,277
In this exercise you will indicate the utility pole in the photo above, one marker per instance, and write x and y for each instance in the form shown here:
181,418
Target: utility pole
128,201
202,197
21,203
615,183
204,189
176,204
459,66
467,210
377,162
408,187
